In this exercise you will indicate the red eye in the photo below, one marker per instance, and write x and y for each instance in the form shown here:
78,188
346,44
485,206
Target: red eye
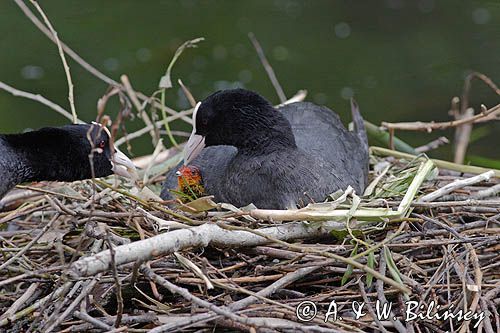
102,144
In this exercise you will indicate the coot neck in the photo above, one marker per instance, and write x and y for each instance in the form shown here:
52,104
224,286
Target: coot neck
273,134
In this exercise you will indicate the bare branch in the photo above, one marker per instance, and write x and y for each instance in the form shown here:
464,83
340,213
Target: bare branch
267,67
71,97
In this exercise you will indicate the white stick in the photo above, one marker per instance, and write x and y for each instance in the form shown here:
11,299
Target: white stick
456,185
200,236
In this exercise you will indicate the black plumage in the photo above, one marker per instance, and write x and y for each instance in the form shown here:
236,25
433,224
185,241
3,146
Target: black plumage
59,154
275,158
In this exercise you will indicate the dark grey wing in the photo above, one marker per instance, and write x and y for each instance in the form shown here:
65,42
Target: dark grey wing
212,163
320,132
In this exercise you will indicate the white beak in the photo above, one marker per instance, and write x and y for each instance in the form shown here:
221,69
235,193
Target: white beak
123,166
195,143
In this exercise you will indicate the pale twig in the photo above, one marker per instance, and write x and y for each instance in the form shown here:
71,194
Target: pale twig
118,287
370,308
456,185
442,140
30,244
95,322
188,94
140,109
21,300
70,308
462,137
463,132
38,98
303,249
91,69
489,192
190,297
227,313
199,236
146,129
40,303
63,59
429,127
267,67
439,163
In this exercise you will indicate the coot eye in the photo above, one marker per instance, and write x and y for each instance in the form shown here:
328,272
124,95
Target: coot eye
102,144
204,122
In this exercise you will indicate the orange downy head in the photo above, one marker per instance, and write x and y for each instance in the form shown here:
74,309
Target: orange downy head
189,180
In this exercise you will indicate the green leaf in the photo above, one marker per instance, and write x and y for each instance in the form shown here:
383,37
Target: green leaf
371,264
349,270
382,137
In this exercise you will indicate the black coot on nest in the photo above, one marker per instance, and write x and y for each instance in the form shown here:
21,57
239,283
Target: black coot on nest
273,158
60,154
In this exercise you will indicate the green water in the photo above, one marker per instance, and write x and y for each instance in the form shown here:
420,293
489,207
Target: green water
402,60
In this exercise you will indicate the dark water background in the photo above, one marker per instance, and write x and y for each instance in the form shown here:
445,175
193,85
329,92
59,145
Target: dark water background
402,60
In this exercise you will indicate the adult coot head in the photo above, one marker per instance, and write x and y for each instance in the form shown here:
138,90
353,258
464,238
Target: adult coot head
239,118
67,153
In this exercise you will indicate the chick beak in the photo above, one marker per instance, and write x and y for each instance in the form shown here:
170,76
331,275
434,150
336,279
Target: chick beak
123,166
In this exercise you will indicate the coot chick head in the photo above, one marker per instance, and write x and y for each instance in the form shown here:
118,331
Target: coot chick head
239,118
189,181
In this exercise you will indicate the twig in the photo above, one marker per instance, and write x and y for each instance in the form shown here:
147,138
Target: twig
442,140
140,109
84,293
462,136
37,98
188,94
118,287
94,71
267,67
91,69
30,244
21,300
369,307
439,163
489,192
148,128
258,322
63,59
190,297
149,317
429,127
456,185
40,303
203,235
348,261
95,322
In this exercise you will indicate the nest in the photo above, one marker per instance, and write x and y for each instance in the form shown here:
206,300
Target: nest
203,266
418,253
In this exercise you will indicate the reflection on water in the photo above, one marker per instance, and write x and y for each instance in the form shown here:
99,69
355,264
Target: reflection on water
402,60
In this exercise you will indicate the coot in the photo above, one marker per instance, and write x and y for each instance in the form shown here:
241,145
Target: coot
60,154
273,158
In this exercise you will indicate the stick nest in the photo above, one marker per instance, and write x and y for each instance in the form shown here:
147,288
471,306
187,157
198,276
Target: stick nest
444,252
